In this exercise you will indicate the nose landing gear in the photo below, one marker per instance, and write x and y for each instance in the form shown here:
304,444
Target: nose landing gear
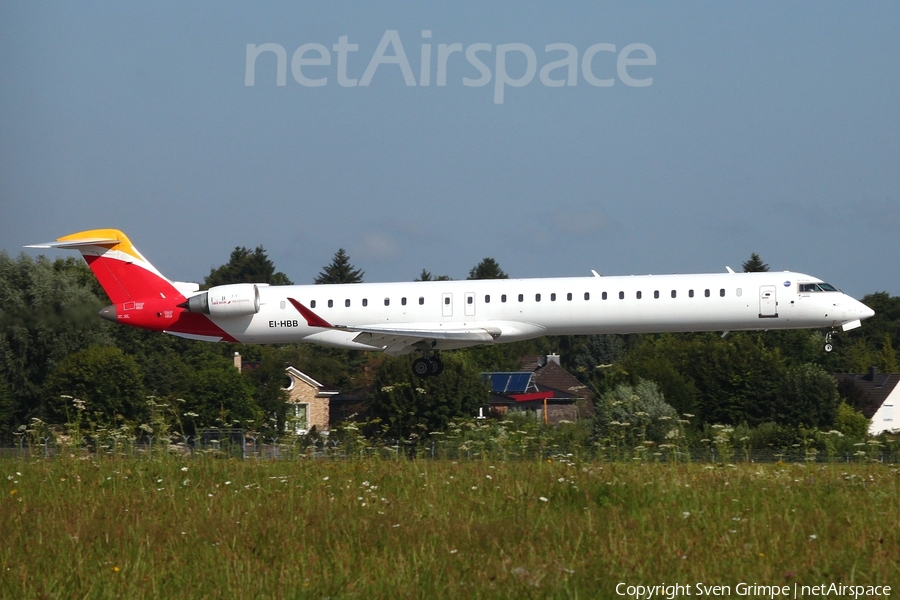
828,345
428,366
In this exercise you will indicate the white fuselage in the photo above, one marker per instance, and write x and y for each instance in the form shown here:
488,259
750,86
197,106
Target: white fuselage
517,309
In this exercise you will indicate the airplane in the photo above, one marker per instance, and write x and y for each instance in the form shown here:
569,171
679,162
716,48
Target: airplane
431,316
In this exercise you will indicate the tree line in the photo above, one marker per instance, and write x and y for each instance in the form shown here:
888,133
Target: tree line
61,366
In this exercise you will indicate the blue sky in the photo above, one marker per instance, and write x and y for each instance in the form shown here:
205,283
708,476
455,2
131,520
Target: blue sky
769,128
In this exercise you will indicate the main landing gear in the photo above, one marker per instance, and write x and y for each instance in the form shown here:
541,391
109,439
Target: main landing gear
428,366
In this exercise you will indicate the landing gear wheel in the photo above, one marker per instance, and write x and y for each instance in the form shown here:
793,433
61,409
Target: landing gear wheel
828,345
422,367
437,366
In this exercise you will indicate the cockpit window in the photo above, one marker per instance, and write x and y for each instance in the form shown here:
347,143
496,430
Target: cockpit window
817,287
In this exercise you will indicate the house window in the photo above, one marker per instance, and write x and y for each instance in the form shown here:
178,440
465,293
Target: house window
298,417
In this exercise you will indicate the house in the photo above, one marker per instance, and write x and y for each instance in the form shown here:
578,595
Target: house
541,387
876,395
307,403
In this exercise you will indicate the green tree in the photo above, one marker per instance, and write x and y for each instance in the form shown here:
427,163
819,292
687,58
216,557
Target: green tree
104,378
340,270
639,412
487,269
48,310
218,395
808,395
754,264
412,406
427,276
245,266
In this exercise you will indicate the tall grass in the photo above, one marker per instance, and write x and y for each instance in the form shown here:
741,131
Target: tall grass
180,527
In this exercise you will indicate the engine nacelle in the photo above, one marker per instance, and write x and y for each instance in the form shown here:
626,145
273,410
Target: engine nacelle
235,300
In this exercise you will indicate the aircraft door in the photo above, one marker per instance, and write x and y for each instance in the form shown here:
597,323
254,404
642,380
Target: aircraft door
470,304
447,305
768,303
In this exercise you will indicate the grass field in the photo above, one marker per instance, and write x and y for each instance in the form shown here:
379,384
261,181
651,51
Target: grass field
176,527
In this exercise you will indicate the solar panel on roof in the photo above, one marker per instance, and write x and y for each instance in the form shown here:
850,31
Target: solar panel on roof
509,383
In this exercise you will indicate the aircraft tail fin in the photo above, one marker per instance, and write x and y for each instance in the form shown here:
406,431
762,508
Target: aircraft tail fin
122,271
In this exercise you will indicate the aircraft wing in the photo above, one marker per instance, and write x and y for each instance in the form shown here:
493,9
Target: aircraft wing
399,340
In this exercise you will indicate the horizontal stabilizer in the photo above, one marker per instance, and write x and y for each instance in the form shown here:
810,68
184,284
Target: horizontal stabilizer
77,243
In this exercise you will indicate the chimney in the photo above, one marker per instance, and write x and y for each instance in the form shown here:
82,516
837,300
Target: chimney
237,361
873,373
552,358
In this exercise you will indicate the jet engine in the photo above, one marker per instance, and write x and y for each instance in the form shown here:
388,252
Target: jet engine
235,300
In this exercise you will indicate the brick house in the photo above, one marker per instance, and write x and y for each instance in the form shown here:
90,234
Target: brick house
307,403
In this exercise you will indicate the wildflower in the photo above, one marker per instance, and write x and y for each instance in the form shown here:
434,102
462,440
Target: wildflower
542,499
115,569
685,515
184,469
813,537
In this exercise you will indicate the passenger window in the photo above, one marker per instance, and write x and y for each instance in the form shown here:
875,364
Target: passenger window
521,298
503,298
690,293
638,295
552,297
569,296
603,296
421,300
365,302
403,301
706,293
446,300
587,295
621,295
722,292
656,294
330,303
537,297
347,302
739,292
674,293
312,303
387,301
487,298
469,299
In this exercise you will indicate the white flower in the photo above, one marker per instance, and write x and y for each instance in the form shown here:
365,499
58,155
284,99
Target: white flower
542,499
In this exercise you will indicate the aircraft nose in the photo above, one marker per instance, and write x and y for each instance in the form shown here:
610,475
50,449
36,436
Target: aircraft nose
865,311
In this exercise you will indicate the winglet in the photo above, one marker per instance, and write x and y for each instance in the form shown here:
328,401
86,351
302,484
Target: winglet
312,319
